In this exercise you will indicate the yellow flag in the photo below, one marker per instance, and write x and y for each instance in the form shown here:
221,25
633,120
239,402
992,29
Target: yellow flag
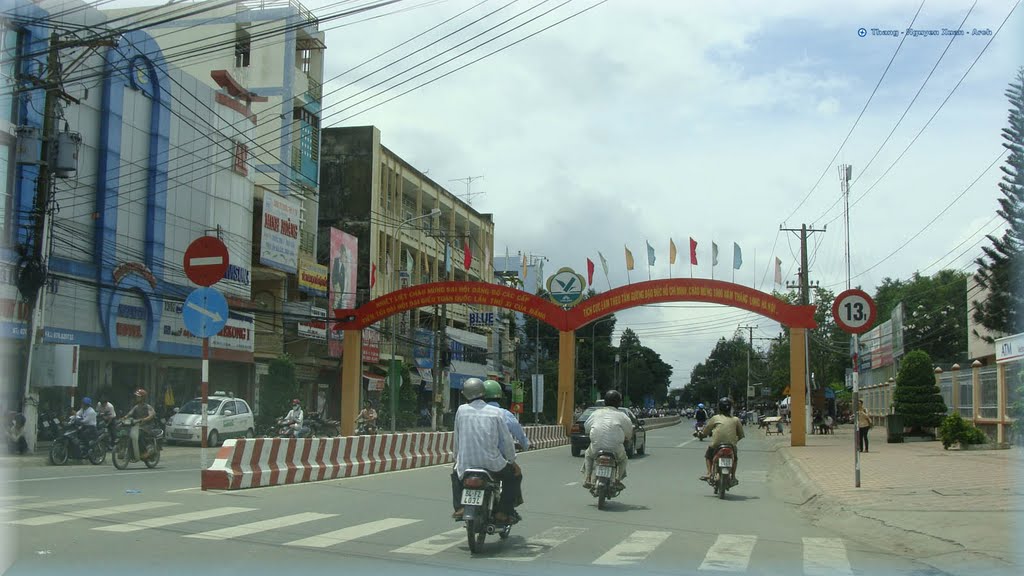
629,259
671,251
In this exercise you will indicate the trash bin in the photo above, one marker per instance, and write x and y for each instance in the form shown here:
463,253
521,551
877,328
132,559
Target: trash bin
894,428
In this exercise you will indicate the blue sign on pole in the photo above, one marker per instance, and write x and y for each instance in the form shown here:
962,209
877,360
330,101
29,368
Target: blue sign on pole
205,312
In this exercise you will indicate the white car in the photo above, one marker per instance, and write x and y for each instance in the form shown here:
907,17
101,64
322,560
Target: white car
227,417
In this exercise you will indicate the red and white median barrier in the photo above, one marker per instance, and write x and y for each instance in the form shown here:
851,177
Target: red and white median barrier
256,462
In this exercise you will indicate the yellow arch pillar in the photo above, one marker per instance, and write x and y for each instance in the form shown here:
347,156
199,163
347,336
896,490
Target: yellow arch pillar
566,378
797,386
351,366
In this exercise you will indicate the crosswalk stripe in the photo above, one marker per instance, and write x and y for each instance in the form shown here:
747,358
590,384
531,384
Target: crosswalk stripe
351,533
161,521
91,513
262,525
826,557
637,547
543,542
730,553
434,544
53,503
4,499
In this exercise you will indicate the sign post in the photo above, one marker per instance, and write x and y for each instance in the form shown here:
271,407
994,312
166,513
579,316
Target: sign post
855,311
205,311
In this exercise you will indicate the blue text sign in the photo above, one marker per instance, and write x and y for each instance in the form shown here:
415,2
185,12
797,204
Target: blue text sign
205,312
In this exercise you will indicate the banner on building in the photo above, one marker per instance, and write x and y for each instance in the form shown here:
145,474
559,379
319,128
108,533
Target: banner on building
315,329
343,267
237,335
279,244
312,277
897,331
371,345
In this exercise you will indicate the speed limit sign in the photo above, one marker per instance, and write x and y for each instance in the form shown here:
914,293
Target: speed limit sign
854,311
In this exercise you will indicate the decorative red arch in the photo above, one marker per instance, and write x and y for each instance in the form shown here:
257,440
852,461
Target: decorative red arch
451,293
621,298
691,290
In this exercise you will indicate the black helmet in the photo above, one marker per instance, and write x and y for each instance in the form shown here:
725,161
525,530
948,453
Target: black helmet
725,406
613,398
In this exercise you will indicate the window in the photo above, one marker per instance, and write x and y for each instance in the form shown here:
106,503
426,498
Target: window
241,159
304,57
243,49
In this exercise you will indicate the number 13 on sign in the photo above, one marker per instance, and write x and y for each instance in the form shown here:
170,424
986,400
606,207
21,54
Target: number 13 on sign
854,311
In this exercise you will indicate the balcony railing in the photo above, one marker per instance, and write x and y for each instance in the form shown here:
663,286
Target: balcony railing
274,4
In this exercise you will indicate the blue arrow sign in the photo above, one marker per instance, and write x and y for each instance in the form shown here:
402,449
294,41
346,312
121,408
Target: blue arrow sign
205,312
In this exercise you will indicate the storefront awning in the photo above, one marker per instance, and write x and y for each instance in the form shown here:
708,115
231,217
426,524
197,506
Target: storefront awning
373,381
462,371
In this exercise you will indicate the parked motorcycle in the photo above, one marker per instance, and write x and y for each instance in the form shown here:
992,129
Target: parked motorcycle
49,426
480,496
605,468
70,446
150,441
320,427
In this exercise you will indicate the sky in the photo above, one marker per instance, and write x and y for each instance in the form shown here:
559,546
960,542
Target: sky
644,120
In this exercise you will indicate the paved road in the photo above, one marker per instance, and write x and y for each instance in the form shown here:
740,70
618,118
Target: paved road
665,522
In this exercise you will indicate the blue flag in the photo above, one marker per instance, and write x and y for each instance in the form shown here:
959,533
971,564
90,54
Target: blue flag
737,256
650,254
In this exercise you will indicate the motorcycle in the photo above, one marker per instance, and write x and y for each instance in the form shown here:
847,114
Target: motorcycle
365,428
321,427
124,454
287,430
605,468
721,479
50,427
480,496
697,427
69,446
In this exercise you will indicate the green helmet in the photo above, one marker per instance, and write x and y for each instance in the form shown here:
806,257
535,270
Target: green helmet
493,390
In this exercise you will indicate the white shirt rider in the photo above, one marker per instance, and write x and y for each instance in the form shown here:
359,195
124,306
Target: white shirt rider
295,416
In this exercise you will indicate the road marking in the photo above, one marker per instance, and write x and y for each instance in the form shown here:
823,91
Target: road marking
54,503
572,483
730,553
826,557
254,527
119,474
637,547
89,514
18,497
184,490
161,521
687,442
434,544
351,533
543,542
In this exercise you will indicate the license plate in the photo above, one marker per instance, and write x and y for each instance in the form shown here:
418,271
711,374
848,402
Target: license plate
725,462
181,430
472,497
604,471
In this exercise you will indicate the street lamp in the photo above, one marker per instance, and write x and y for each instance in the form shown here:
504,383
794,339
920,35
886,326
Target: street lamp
593,354
394,373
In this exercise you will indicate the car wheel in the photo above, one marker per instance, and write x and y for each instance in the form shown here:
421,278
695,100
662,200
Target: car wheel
249,433
212,437
643,447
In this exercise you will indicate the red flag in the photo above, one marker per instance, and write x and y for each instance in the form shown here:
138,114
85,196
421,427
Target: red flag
467,259
693,251
590,271
373,274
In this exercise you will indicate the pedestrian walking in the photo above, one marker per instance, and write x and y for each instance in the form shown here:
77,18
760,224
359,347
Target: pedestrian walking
864,424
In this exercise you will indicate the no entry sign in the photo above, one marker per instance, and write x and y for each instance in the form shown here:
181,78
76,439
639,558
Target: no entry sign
206,260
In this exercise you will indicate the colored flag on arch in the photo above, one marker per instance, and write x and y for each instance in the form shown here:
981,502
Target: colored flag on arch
693,252
671,251
778,271
467,258
590,272
737,256
604,263
714,254
629,259
650,254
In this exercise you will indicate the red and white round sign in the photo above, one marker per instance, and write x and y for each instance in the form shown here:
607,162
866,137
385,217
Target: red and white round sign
206,260
854,311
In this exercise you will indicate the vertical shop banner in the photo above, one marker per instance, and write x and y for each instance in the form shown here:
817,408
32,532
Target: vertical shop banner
312,277
279,244
344,262
371,346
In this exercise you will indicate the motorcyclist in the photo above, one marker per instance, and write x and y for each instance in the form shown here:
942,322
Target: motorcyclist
724,428
701,415
86,420
493,397
141,415
608,429
294,417
482,440
368,416
106,416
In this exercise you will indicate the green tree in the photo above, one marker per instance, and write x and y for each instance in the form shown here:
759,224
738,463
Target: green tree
917,397
406,415
277,390
1001,269
935,313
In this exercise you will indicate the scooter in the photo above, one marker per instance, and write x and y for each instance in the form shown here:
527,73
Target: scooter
721,479
365,428
286,429
697,427
70,446
481,493
605,469
124,454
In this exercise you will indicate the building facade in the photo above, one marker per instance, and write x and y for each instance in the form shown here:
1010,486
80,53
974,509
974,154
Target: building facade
388,206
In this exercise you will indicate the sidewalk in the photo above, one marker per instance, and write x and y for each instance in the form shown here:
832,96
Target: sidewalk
956,510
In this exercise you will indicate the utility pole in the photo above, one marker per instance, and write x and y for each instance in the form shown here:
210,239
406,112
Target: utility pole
845,173
750,348
469,182
441,347
805,299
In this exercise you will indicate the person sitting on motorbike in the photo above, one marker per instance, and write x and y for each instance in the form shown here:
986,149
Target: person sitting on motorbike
608,427
141,415
493,397
86,420
724,428
701,415
482,440
368,416
295,417
106,416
